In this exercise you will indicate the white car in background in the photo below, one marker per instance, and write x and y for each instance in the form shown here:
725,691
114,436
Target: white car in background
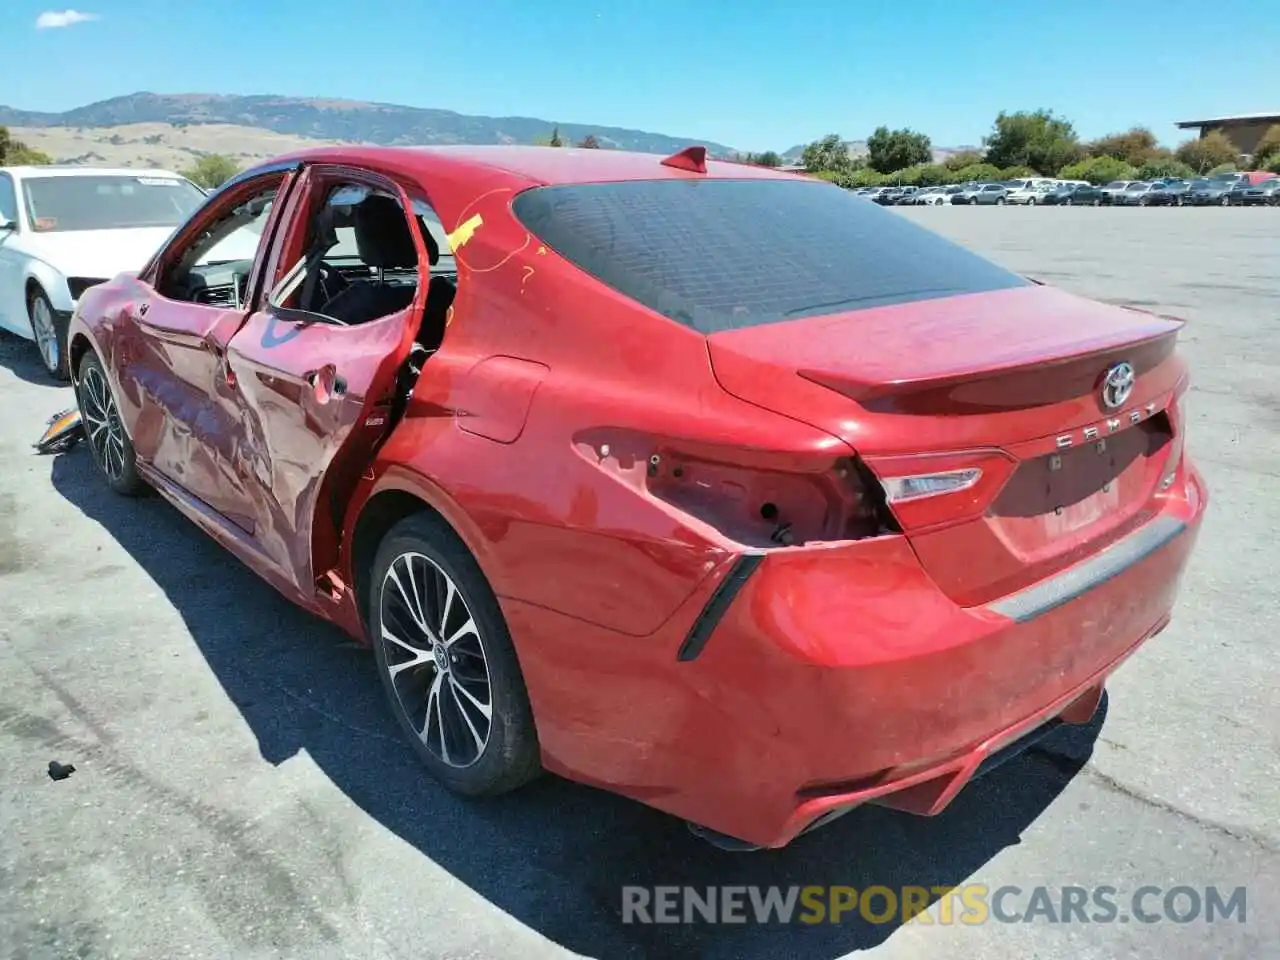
1029,191
65,228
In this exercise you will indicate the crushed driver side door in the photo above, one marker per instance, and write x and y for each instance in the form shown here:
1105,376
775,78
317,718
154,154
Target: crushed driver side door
315,397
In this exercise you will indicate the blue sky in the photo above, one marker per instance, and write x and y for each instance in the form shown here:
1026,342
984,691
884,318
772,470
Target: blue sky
751,74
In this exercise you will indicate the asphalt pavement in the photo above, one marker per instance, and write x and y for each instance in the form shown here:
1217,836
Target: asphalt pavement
241,792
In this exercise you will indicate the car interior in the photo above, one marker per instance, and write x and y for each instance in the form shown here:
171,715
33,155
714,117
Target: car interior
360,263
202,275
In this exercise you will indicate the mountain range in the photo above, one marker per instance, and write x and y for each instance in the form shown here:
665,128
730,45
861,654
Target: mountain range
339,121
173,130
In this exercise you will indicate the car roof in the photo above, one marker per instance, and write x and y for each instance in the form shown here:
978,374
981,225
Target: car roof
536,165
78,170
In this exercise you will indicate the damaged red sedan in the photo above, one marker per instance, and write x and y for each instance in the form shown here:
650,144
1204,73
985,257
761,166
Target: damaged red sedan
713,486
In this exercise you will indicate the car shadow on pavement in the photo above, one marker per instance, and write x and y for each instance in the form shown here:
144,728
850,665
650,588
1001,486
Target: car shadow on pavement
554,855
19,355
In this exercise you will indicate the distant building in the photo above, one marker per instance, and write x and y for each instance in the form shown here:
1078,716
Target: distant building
1244,131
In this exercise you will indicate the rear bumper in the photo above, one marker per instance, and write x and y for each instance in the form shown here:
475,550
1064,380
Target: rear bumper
841,675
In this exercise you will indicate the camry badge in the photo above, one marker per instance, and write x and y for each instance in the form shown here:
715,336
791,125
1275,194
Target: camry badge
1117,384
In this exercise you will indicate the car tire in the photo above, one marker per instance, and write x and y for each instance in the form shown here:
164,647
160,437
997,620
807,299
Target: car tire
112,449
1031,201
425,584
999,201
1225,201
1066,201
50,334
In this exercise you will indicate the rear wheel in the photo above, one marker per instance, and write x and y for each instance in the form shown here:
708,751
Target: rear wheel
112,450
447,663
50,334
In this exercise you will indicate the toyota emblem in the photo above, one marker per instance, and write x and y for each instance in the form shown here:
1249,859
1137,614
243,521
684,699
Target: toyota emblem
1117,384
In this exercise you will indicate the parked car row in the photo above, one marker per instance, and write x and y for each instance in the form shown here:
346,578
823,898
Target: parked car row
1228,189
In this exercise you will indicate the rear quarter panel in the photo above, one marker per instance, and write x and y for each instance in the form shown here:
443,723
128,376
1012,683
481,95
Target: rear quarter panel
549,522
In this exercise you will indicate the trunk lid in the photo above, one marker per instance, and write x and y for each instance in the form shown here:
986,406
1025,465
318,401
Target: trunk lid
1009,383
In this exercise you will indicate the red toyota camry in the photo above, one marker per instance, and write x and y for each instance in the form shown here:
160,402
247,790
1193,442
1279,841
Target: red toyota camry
713,486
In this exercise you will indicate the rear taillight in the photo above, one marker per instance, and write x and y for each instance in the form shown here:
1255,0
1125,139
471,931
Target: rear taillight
933,489
756,498
773,507
903,489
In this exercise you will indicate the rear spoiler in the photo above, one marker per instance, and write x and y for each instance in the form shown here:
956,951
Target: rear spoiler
1153,343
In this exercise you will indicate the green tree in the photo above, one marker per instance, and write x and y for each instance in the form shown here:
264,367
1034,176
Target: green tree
555,140
1268,147
922,175
962,159
1223,168
212,170
890,150
1017,173
840,178
1274,165
1211,150
1164,167
1098,170
589,142
829,153
16,154
768,159
1134,146
1039,140
977,171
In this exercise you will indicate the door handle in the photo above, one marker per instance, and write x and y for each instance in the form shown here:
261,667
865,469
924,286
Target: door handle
326,381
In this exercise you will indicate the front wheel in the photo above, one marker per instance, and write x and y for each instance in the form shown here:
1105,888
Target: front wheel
112,449
50,334
999,201
1225,201
1031,202
447,663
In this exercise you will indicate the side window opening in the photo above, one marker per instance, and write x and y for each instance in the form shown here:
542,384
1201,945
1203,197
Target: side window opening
8,199
360,263
214,268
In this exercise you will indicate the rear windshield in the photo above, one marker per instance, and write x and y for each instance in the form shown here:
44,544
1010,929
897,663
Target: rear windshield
724,254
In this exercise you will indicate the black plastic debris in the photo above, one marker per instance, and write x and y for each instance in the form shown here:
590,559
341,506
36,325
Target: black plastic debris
60,771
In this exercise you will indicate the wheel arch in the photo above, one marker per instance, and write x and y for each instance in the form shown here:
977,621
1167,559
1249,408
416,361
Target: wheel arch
79,345
41,276
383,502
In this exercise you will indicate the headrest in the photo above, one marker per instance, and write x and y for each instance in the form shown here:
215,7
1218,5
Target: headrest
382,234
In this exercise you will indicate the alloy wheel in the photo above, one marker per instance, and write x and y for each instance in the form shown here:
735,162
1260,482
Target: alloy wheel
436,659
45,334
102,424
